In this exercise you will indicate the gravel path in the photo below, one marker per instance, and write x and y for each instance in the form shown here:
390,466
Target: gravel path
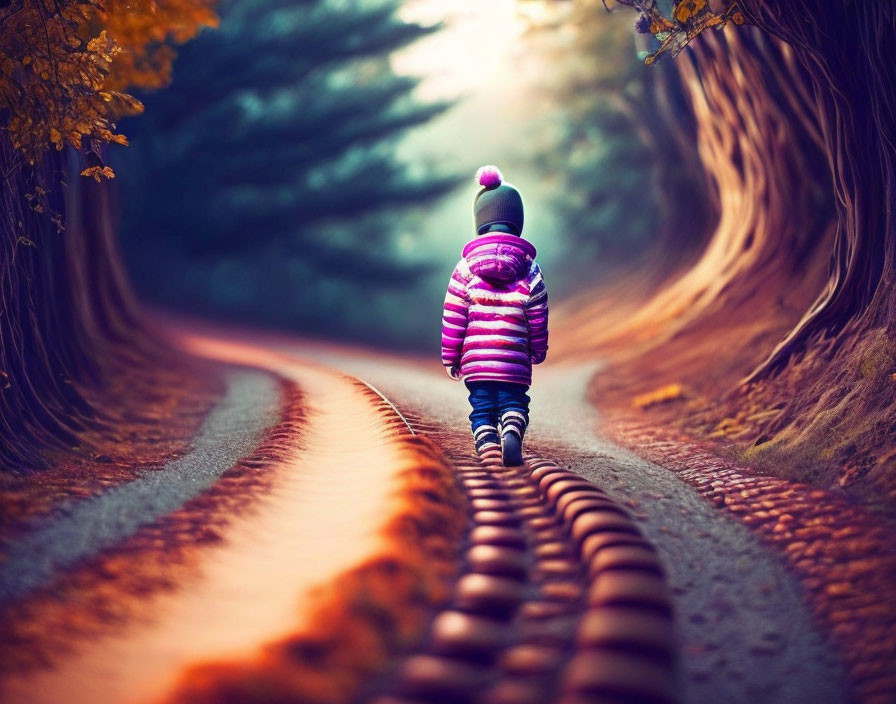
745,631
327,511
83,528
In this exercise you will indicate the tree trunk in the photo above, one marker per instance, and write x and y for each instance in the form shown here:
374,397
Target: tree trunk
65,306
689,205
761,149
846,49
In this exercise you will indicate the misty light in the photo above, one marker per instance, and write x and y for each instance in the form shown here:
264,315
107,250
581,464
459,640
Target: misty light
472,49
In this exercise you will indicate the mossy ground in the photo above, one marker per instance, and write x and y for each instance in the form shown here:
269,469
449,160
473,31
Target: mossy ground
827,419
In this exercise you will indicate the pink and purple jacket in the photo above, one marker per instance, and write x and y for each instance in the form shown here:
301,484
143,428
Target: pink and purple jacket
495,319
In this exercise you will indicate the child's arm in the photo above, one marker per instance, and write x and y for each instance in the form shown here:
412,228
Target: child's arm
454,319
537,315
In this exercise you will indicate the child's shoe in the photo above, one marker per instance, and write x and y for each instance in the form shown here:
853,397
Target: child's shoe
488,444
513,427
511,449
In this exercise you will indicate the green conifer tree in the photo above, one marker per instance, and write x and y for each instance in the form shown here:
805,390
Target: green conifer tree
263,183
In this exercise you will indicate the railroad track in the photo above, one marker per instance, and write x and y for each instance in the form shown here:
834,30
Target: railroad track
559,598
488,584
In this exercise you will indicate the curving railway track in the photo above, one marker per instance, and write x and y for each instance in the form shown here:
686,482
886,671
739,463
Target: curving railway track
559,598
362,553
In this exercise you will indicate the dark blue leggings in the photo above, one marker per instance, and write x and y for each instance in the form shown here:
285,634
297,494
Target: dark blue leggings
492,399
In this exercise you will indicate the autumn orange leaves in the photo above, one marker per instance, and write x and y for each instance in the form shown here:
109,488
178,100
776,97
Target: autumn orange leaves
65,67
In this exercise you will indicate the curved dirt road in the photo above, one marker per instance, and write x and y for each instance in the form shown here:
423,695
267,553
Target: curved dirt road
516,623
243,589
745,631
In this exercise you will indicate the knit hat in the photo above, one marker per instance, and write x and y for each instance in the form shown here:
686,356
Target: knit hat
497,202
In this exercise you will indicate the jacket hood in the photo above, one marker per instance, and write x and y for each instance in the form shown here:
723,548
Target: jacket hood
499,257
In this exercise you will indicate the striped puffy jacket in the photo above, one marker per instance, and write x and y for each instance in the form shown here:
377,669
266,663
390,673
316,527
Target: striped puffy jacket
495,319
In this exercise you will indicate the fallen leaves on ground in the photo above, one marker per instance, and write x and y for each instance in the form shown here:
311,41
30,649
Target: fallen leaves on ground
664,394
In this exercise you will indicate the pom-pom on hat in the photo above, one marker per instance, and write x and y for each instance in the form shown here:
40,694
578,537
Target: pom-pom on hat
489,176
497,202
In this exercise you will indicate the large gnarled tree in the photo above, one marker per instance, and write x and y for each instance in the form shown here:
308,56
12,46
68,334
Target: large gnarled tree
796,131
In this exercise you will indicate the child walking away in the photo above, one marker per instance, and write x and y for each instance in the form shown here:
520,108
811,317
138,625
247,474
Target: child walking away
495,320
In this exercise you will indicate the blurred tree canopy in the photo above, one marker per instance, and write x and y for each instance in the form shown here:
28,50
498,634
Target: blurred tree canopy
263,184
630,181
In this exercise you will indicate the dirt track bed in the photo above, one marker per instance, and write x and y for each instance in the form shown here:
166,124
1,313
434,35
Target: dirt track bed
844,556
494,585
98,596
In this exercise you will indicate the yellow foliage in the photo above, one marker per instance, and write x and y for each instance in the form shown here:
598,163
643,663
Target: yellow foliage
725,427
686,9
98,172
670,392
65,66
687,19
